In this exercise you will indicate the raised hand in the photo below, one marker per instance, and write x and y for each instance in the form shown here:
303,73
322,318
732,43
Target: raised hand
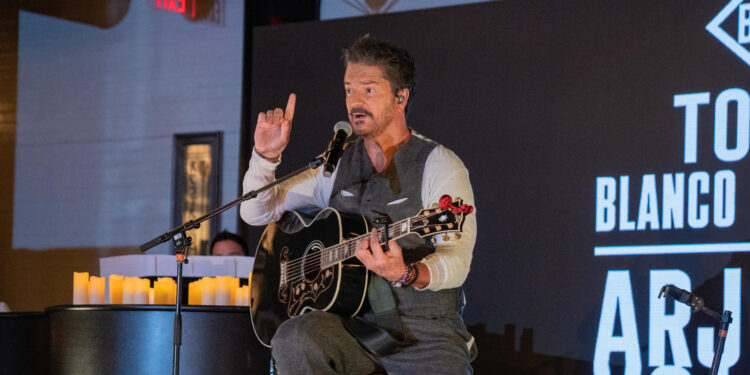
273,128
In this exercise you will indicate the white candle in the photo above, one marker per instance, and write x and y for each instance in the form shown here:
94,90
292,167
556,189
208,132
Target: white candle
223,290
115,289
237,293
234,288
162,289
172,291
140,296
80,288
241,298
194,293
128,290
208,291
96,290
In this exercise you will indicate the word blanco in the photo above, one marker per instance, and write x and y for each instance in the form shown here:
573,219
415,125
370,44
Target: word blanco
618,302
672,205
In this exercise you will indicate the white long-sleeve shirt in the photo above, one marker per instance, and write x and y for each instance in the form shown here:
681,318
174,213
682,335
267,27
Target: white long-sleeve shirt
444,173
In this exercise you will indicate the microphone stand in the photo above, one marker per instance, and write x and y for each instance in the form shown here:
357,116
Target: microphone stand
182,242
721,336
725,320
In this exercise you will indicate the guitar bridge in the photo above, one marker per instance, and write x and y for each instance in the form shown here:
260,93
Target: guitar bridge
282,273
283,259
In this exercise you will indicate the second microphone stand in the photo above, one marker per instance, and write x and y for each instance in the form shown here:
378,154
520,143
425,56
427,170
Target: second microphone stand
696,303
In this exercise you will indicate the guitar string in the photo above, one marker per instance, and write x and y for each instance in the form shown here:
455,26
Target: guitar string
294,272
393,229
347,248
294,268
327,250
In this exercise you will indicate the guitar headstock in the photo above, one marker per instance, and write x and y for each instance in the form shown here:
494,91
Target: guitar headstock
446,217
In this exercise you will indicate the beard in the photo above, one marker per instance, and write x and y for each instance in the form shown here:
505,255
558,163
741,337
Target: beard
365,124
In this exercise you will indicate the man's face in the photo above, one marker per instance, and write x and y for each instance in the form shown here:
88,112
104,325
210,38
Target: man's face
227,248
369,99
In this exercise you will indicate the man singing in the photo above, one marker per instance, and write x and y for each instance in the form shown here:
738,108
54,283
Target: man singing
388,168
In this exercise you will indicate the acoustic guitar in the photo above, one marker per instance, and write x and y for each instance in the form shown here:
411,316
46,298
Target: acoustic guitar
306,263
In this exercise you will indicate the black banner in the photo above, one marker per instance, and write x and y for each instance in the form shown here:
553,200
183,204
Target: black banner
608,149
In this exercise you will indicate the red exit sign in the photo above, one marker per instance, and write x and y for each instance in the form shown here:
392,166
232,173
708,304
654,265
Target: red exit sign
179,6
194,10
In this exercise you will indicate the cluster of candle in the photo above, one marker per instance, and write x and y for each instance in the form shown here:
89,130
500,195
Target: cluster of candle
220,290
87,290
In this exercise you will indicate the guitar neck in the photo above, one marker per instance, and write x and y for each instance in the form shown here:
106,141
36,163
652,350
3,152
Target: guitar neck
345,250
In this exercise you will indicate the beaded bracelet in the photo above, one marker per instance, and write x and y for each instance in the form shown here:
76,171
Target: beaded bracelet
414,275
400,282
411,274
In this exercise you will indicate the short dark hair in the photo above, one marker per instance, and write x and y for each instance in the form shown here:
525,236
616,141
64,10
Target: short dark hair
397,64
224,235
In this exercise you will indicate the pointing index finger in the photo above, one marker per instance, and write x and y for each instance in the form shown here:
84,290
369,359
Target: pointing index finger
289,113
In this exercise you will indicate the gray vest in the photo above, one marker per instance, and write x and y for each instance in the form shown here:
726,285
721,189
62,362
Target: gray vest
358,189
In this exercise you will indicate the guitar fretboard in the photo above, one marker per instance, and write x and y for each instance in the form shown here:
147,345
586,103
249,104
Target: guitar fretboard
345,250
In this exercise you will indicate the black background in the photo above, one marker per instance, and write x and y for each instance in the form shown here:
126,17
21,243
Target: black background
539,98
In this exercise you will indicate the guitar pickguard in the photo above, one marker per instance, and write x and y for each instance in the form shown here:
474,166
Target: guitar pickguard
302,282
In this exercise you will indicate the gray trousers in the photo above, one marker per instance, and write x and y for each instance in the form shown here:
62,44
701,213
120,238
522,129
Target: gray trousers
317,343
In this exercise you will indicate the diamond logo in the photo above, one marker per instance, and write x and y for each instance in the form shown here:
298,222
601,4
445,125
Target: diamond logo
743,28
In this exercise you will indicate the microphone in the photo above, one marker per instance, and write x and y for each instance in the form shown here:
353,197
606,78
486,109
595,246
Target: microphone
683,296
341,131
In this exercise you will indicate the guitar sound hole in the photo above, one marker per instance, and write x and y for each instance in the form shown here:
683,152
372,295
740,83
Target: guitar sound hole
311,263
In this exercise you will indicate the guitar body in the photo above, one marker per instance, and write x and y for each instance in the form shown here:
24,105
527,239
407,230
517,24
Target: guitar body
287,278
305,264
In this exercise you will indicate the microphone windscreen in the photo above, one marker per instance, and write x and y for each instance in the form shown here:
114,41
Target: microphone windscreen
343,125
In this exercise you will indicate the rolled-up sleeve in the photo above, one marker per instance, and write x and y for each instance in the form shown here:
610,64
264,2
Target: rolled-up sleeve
449,265
306,190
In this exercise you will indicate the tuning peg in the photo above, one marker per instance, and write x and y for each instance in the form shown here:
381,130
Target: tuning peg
457,236
446,238
433,240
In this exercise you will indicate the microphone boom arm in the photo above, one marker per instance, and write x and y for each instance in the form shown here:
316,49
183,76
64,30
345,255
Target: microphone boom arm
696,303
192,224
